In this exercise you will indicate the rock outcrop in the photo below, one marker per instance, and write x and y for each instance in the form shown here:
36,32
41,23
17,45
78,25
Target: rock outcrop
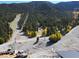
68,42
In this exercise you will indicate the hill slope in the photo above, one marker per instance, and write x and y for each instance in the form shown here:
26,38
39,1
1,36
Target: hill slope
69,42
45,13
68,6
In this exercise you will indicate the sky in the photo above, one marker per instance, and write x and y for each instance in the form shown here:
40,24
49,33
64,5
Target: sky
18,1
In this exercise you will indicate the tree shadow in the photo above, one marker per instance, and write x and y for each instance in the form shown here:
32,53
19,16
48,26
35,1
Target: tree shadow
36,41
49,43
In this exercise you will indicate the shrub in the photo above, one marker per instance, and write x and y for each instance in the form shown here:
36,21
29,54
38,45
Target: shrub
31,34
59,35
69,28
55,37
45,31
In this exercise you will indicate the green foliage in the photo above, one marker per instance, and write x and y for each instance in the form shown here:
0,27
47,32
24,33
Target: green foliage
31,34
68,28
5,30
46,16
1,40
44,13
55,37
45,31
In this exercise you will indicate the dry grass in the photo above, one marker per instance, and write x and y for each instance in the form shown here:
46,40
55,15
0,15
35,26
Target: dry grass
7,56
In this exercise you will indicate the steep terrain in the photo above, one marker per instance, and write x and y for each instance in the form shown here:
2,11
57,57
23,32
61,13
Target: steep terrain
68,6
45,13
23,43
68,42
5,30
41,14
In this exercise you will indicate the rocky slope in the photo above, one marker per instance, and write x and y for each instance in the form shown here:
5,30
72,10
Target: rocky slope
69,42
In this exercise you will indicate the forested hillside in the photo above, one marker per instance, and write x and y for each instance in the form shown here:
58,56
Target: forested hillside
5,30
50,17
68,6
47,15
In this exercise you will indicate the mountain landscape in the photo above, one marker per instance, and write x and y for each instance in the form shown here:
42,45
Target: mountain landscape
36,20
68,6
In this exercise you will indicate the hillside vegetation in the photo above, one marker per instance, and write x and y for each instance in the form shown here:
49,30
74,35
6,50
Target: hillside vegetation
42,14
5,30
45,14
